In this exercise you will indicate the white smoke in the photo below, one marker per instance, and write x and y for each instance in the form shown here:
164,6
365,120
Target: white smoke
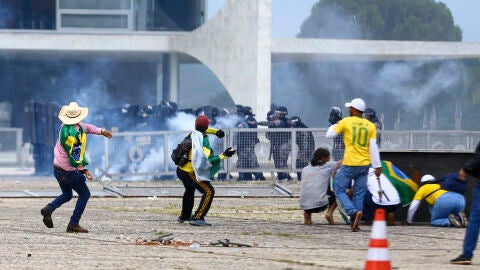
397,79
399,90
181,121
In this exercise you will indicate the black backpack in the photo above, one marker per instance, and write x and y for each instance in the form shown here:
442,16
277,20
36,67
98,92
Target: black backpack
180,153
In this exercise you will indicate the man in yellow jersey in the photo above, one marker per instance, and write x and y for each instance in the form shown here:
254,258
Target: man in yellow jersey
197,173
361,152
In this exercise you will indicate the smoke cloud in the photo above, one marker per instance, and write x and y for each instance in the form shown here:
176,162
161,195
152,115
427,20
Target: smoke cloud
398,90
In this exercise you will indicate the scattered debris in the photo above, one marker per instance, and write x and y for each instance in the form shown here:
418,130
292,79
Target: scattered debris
195,246
164,240
227,243
167,240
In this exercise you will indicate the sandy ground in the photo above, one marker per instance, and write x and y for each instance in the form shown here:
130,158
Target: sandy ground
122,230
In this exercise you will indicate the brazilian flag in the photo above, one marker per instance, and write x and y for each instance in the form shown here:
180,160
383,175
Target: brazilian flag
74,142
405,186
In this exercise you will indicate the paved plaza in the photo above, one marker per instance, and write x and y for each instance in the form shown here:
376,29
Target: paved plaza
124,234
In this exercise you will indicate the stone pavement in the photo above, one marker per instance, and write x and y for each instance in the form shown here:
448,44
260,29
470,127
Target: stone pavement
121,230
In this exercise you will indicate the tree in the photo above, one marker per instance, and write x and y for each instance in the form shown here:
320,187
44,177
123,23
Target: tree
402,88
381,20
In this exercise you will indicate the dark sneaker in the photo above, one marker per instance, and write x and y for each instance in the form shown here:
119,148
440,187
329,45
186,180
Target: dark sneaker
461,260
47,217
355,220
454,221
199,222
181,219
76,229
463,219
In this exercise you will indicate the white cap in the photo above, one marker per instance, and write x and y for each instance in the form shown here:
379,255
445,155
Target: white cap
356,103
427,177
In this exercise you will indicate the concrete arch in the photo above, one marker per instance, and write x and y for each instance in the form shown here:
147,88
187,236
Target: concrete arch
236,46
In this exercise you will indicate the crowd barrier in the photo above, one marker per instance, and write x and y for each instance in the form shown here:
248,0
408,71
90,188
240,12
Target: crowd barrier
11,147
146,155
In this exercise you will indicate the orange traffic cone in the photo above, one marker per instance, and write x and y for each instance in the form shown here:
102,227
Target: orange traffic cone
377,256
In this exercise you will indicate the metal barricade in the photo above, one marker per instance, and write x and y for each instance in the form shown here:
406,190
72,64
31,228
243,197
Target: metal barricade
429,141
11,150
146,155
261,153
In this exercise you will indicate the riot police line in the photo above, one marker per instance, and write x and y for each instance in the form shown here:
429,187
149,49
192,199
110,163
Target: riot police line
281,148
41,127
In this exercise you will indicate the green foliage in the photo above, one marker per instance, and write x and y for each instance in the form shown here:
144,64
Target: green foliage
381,20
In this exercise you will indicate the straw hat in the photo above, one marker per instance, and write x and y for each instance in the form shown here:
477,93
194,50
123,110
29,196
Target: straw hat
72,113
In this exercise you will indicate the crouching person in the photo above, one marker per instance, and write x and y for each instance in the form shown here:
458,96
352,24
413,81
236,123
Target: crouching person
445,206
316,195
380,194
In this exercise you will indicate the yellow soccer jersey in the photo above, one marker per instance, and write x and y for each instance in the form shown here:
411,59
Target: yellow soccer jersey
357,133
427,189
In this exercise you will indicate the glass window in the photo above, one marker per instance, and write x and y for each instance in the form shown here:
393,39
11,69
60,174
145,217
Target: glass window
94,21
94,4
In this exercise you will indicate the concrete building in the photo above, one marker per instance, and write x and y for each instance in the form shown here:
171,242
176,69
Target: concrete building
237,50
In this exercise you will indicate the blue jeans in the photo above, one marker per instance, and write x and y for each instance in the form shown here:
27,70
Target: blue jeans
69,181
473,228
343,181
448,203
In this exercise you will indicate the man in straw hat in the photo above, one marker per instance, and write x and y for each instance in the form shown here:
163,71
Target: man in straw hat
69,164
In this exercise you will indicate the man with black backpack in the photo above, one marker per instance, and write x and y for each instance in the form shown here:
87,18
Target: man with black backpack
198,171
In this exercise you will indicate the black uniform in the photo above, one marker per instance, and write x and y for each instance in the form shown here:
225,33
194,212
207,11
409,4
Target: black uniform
246,142
305,143
338,148
280,142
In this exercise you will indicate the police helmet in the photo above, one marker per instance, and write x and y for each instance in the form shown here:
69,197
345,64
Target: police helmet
370,114
281,110
247,110
125,108
295,120
335,115
270,115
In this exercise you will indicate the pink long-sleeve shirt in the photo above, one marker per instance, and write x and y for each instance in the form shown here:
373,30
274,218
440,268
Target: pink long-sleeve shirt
60,155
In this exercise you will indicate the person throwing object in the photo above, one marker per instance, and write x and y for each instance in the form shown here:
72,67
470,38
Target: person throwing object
69,164
361,151
197,173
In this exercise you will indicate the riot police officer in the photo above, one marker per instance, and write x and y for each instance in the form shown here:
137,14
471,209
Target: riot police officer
305,143
371,115
338,148
280,145
246,142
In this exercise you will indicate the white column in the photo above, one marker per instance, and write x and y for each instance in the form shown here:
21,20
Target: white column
171,93
168,78
159,82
